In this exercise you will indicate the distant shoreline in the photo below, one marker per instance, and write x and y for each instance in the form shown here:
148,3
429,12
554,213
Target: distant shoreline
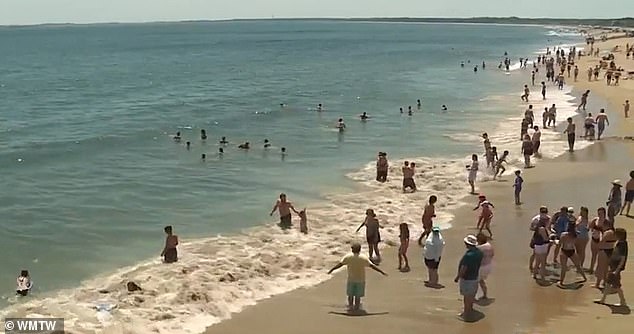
626,22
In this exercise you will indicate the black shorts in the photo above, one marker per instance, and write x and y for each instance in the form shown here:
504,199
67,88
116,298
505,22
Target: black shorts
286,222
629,196
171,255
22,293
432,264
409,183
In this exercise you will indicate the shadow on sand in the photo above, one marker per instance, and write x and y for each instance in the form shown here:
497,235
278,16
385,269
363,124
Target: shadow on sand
617,309
485,302
571,286
475,316
359,313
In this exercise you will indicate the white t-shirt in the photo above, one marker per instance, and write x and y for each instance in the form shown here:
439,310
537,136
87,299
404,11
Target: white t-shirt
433,247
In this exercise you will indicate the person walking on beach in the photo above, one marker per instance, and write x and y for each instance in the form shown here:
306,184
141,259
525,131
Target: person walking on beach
429,213
284,207
540,243
617,263
169,253
583,234
499,165
473,172
487,263
527,93
626,108
467,276
602,121
517,184
403,262
372,235
606,247
536,139
584,100
527,150
529,115
570,131
432,253
588,125
614,200
552,113
543,90
597,226
567,241
629,195
355,286
382,167
576,72
24,284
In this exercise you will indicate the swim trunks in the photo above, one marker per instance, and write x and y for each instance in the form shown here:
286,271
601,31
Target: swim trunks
286,222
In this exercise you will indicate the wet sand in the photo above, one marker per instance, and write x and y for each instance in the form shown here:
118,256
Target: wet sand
401,304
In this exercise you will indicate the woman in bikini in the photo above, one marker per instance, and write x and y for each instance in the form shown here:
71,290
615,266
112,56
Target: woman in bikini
403,262
372,235
541,243
597,225
486,215
567,241
606,247
583,235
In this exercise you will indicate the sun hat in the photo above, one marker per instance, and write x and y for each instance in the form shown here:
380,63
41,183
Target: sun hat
471,240
571,209
617,183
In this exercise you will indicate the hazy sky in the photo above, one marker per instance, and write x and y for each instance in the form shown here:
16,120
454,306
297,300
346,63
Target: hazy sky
84,11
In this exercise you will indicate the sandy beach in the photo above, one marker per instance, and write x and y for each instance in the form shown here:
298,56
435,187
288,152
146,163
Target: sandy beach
401,303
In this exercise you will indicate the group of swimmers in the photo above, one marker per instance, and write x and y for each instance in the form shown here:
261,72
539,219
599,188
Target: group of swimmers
223,141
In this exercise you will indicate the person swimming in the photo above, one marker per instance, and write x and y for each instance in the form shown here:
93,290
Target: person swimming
364,116
189,145
203,157
267,144
221,151
401,109
223,141
203,134
319,107
244,146
444,107
418,103
177,137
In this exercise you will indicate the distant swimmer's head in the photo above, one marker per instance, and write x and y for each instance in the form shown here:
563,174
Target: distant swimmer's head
530,106
474,157
266,141
356,248
553,105
24,273
178,134
444,107
433,199
418,101
189,143
543,83
341,120
413,164
484,135
221,150
224,138
283,149
406,163
168,229
203,156
202,131
401,109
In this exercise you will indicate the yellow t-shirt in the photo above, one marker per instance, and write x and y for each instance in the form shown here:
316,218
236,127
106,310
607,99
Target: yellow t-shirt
356,264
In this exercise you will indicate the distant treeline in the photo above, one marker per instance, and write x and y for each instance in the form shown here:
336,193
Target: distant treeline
627,22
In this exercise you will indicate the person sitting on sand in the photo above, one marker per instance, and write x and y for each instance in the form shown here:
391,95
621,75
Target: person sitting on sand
568,251
468,272
356,264
487,263
372,235
284,209
24,284
169,253
403,262
616,266
432,253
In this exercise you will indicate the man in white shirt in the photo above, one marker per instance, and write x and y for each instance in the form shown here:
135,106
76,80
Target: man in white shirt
434,245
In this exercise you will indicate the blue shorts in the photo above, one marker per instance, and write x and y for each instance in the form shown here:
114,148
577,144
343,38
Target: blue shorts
355,289
468,287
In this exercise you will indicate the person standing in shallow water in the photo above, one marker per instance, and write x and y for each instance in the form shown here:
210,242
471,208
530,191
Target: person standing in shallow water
372,235
169,253
284,209
571,129
382,167
602,121
473,172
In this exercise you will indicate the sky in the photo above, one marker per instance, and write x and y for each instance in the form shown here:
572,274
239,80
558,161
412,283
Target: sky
20,12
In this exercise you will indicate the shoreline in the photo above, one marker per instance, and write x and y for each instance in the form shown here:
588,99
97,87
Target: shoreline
598,156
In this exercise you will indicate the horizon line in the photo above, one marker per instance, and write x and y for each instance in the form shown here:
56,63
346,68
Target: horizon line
434,19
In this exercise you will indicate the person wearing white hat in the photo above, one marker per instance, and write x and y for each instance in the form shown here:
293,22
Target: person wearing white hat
432,254
614,200
468,274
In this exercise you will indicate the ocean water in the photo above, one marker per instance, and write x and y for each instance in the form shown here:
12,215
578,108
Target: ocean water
91,174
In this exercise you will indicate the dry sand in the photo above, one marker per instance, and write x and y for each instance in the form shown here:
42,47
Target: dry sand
401,304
